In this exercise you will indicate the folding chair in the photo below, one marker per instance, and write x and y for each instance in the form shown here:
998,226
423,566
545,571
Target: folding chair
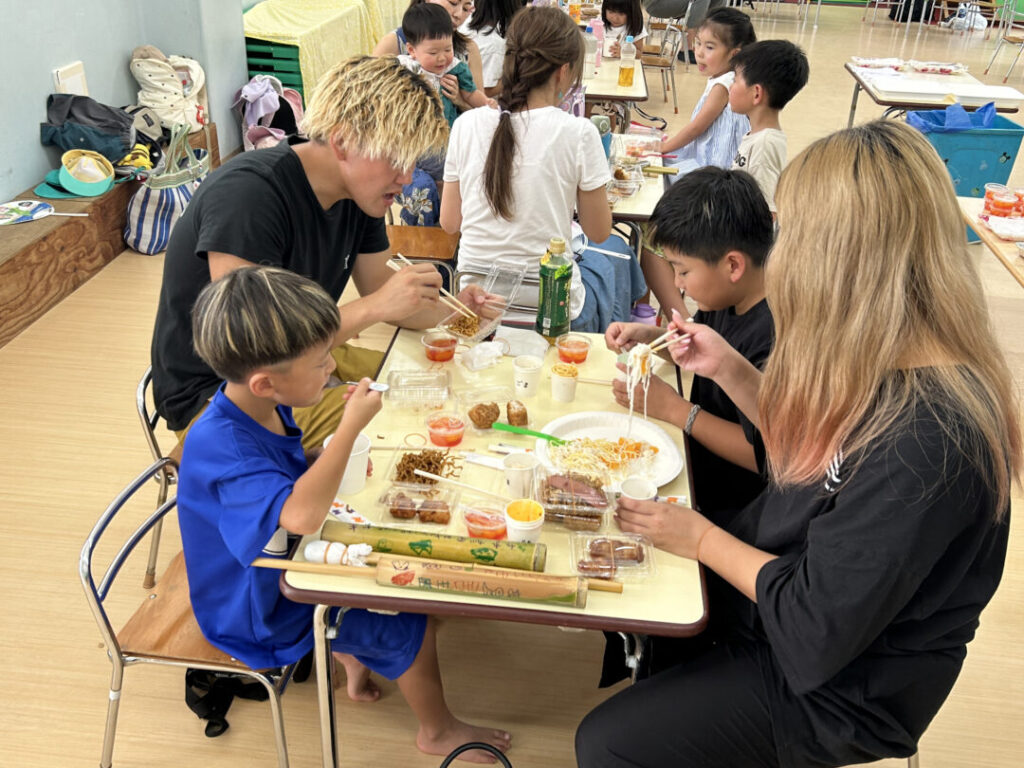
664,61
163,630
1012,33
167,478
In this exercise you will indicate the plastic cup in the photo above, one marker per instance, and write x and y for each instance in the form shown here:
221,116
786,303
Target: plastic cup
439,346
563,382
354,478
445,429
526,370
482,524
520,474
1002,204
639,488
573,348
523,520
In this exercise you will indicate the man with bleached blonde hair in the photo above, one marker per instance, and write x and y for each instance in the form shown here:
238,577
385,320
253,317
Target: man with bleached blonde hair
313,207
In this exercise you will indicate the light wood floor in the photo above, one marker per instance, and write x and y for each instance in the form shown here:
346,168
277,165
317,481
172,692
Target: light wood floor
71,440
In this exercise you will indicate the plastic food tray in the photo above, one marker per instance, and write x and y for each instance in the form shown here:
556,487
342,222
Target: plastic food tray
456,462
625,570
497,395
417,390
418,495
574,515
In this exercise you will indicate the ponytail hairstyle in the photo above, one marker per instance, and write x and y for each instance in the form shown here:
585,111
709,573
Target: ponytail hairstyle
632,10
731,26
539,42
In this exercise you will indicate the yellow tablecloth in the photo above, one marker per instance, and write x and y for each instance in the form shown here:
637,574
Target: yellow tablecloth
325,31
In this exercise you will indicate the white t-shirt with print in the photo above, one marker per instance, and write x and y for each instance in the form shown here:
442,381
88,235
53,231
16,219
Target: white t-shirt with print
763,156
556,154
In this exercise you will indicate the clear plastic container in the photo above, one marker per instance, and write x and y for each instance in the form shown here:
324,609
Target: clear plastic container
499,396
437,461
640,140
503,279
573,348
620,190
484,518
626,557
418,390
445,429
401,505
439,346
576,500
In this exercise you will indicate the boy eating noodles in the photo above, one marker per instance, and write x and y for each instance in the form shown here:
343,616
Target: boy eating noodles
715,230
245,485
768,75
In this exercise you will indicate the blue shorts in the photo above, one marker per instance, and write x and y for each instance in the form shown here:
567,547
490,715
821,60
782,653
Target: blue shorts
385,644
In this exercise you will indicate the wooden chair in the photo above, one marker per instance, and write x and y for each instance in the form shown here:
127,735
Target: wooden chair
431,244
149,418
656,39
664,61
163,630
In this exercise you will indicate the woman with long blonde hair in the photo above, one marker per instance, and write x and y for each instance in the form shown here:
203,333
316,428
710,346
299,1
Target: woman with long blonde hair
845,595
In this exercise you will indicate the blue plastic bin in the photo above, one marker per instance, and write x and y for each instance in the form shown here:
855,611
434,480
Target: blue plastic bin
979,156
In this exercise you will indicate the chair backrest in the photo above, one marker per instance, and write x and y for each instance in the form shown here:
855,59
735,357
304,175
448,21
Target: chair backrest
431,244
149,418
96,593
671,40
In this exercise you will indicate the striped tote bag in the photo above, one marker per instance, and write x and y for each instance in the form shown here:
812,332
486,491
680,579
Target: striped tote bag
156,206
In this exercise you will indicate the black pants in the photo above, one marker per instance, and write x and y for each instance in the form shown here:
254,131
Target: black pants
708,712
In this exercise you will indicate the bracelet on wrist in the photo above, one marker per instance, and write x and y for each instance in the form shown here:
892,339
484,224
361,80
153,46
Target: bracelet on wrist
688,427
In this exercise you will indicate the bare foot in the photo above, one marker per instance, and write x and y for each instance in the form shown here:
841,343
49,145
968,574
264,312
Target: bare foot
460,733
359,685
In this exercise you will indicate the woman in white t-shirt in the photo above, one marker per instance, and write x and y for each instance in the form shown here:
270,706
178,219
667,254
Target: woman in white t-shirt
487,28
513,176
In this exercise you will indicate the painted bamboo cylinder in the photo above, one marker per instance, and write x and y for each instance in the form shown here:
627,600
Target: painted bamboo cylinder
473,579
440,546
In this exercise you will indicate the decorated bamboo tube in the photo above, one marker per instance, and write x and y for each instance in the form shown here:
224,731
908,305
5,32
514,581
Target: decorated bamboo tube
439,546
473,579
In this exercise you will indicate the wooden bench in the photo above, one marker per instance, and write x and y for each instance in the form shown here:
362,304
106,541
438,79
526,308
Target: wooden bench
43,261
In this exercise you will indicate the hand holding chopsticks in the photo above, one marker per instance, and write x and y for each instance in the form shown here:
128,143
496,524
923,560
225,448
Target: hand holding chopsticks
667,338
447,298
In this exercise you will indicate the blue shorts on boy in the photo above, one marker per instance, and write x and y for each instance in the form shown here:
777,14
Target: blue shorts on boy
235,477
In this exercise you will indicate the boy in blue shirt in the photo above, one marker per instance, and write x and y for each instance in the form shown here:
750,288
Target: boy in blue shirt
245,484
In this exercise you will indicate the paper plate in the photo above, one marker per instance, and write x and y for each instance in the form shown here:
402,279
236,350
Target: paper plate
667,464
20,211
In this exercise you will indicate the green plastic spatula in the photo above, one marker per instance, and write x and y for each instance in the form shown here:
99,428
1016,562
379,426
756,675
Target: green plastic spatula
523,431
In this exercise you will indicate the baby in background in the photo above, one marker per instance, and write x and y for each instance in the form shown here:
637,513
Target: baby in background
768,75
430,52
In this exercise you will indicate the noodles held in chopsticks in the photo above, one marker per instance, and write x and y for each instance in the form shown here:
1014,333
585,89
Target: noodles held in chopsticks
638,372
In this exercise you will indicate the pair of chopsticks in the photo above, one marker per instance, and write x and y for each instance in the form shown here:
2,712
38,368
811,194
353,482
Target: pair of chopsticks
446,298
664,341
465,486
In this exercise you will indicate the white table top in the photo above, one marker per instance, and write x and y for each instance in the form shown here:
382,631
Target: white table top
916,88
671,601
640,206
604,86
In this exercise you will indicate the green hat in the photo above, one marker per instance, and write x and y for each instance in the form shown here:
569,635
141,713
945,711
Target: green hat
82,173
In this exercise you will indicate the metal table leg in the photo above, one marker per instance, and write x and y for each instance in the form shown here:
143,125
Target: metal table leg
853,104
325,688
817,14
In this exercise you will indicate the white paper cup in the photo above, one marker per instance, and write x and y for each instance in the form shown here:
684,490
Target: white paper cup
354,478
527,375
563,382
520,474
522,530
639,488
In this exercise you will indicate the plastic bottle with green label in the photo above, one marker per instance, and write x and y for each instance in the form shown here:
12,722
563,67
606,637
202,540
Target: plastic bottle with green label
553,298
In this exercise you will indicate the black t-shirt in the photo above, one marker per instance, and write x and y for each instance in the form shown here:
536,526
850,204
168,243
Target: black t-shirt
882,571
261,208
720,487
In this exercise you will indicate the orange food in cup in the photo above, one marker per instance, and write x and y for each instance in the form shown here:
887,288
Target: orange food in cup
572,349
485,525
525,511
446,430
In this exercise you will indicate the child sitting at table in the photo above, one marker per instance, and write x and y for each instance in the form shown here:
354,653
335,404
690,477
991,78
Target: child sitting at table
768,75
245,485
622,18
715,231
714,131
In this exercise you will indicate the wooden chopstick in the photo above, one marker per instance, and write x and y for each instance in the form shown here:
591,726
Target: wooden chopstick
456,305
464,309
659,347
466,486
604,382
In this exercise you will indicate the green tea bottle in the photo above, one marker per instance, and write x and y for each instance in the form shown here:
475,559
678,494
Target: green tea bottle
553,300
